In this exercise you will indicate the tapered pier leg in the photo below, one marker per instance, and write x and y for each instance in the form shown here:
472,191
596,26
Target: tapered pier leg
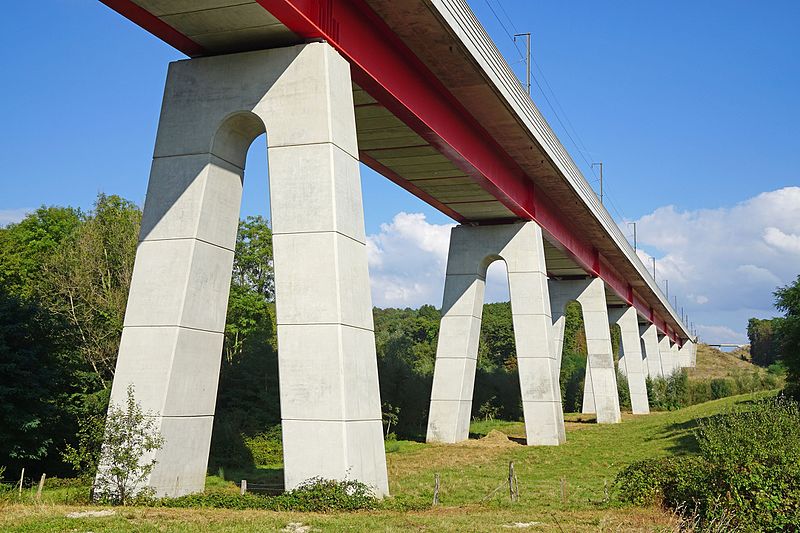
668,357
600,387
688,354
630,357
652,355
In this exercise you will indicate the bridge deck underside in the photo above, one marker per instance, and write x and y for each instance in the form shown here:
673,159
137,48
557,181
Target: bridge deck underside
386,140
222,26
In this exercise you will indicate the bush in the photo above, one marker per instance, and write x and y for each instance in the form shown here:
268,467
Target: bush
623,391
669,393
755,453
314,495
266,448
668,481
700,391
722,388
747,474
777,369
66,483
130,439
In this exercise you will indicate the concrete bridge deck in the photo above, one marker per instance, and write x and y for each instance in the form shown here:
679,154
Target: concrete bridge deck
440,113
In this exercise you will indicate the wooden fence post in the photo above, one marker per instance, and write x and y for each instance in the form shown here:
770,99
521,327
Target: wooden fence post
21,476
243,488
41,486
436,489
513,486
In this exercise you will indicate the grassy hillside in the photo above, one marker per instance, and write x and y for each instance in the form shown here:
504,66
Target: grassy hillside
713,363
474,495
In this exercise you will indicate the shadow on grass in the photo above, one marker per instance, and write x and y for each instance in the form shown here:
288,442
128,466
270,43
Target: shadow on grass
683,436
580,418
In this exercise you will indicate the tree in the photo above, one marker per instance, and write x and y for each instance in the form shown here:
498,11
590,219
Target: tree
87,278
762,341
26,246
34,383
130,438
253,265
390,416
787,332
252,288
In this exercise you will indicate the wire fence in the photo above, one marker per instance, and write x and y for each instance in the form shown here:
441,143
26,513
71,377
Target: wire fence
446,489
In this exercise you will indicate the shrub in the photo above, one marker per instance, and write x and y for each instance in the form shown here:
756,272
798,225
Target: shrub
623,391
755,453
722,387
266,448
669,393
130,437
678,389
769,381
747,475
488,410
313,495
778,368
67,483
669,481
700,391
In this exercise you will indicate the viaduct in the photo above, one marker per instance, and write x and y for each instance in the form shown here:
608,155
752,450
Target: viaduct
417,91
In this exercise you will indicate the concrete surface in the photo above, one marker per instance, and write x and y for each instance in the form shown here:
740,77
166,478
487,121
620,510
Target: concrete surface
631,363
669,359
686,354
472,250
600,387
650,351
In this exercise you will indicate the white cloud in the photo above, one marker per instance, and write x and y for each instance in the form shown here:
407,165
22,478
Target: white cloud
789,242
407,262
721,334
725,263
10,216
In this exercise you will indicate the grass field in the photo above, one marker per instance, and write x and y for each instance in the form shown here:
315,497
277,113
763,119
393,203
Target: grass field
474,494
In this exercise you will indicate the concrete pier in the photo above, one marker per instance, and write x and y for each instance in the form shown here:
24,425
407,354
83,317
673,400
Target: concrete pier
172,340
472,250
650,351
631,363
688,354
669,362
600,387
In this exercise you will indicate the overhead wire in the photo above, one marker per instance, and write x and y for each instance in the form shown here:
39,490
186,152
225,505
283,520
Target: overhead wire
580,145
581,152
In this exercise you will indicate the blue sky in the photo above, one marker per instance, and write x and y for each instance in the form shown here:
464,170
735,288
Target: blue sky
688,104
